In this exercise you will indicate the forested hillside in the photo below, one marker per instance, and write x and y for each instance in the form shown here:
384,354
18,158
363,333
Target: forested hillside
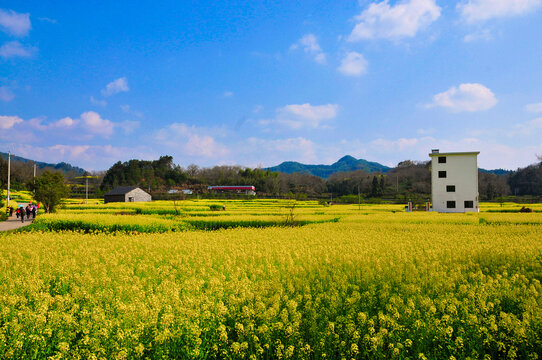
62,166
22,171
346,163
409,180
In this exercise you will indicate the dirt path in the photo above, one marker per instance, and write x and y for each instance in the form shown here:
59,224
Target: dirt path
13,223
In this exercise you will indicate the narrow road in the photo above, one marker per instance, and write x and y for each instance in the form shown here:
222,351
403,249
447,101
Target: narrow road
13,222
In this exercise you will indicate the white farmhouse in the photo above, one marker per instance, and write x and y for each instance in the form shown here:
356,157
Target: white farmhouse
454,181
127,194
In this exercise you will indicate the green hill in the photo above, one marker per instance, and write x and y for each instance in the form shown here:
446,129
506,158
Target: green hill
346,163
65,167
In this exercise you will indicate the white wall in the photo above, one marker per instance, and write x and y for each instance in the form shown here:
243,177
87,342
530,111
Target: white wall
138,195
461,171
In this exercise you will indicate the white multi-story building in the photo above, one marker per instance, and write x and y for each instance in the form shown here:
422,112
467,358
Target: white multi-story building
454,181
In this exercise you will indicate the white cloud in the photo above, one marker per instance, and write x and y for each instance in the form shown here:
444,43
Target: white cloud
7,122
203,145
94,123
72,151
46,19
89,124
529,128
191,140
493,155
36,123
480,35
66,122
310,45
227,94
394,145
6,94
87,156
128,126
128,110
482,10
426,131
466,97
14,23
353,64
534,108
278,150
97,102
115,87
405,19
297,116
13,49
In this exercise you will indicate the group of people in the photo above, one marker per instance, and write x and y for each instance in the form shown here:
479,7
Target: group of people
30,210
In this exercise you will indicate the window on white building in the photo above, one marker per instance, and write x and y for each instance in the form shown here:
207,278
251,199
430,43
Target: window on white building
450,204
469,204
442,174
442,159
450,188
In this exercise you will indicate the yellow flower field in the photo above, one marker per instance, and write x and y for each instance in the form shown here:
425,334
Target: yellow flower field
378,283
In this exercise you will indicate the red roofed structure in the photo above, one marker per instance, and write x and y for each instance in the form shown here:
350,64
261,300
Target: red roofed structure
247,189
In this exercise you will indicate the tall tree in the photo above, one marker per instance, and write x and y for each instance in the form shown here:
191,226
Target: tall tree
50,190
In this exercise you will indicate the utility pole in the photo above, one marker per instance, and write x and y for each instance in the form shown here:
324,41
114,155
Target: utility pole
86,177
9,175
34,179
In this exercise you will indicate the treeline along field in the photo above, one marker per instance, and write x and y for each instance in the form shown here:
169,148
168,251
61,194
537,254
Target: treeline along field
377,284
344,181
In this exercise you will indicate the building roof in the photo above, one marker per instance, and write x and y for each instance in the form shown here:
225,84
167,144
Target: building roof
454,153
121,190
232,187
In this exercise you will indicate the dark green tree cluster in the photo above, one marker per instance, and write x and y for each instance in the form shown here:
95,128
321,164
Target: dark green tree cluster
492,186
21,175
145,174
264,180
50,189
527,181
22,172
409,180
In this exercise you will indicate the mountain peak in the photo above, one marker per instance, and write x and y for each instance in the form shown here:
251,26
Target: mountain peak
347,159
346,163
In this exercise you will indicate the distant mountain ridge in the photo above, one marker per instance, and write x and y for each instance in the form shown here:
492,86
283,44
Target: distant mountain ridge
346,163
496,171
60,166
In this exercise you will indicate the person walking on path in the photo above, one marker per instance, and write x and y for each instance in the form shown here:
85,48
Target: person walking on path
13,223
22,213
34,210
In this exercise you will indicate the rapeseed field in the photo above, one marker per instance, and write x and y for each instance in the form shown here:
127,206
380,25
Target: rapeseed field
341,283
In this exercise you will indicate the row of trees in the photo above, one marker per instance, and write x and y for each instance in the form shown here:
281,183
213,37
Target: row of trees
49,189
409,179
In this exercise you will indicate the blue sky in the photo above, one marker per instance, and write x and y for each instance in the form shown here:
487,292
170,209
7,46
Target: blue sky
255,83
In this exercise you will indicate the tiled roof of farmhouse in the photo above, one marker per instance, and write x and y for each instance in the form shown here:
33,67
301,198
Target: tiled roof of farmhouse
121,190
